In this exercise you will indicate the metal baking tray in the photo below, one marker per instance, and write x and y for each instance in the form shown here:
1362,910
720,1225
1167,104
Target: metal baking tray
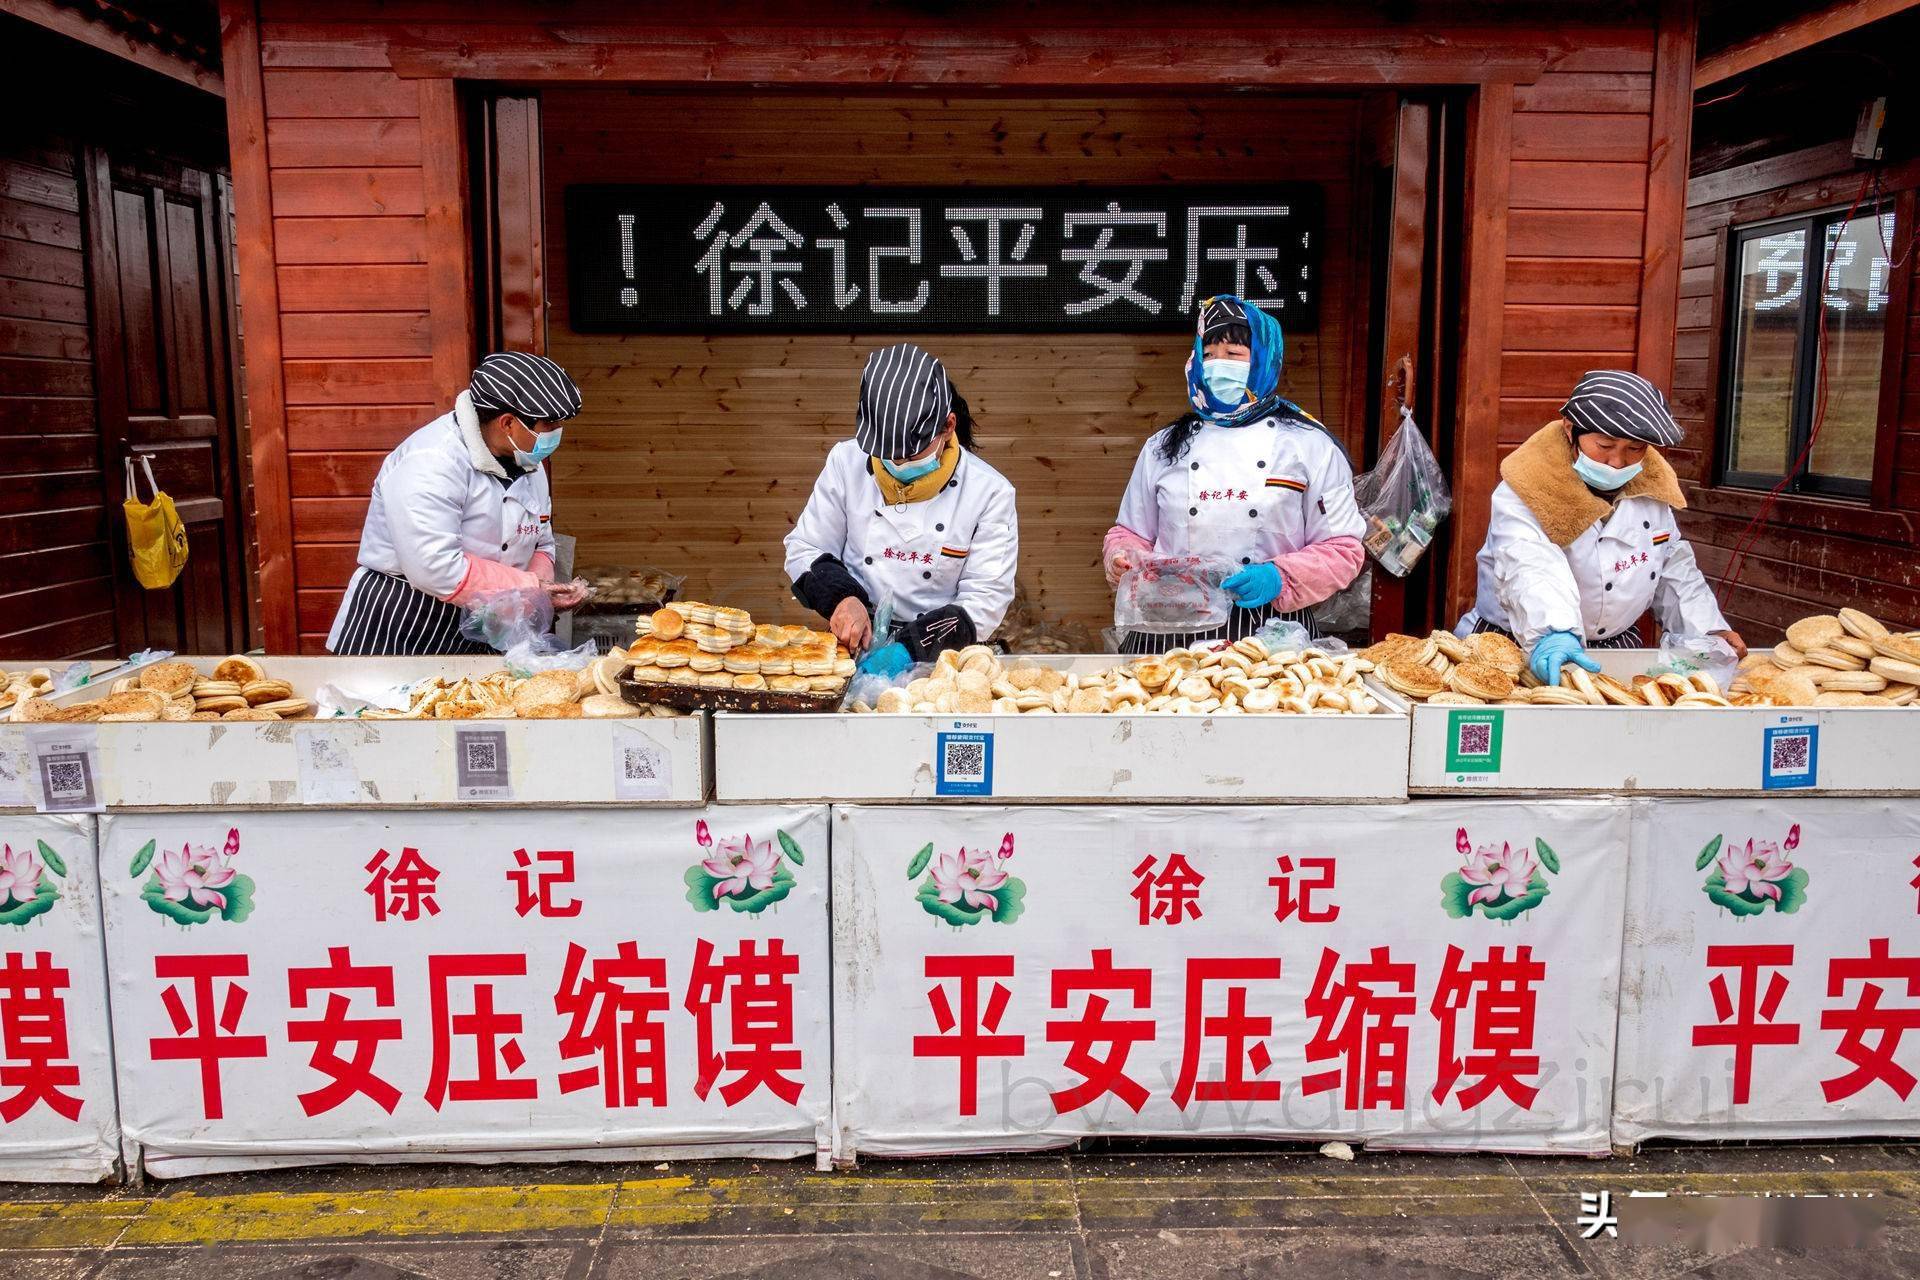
686,698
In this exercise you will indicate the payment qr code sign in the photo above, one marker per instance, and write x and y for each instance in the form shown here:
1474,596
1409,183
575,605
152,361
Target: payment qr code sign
480,765
642,770
963,764
1791,757
1473,741
66,781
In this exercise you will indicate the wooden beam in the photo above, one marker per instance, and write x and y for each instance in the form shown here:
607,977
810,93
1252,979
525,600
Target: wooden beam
98,35
449,247
1173,59
1791,37
1893,355
519,190
1666,216
260,320
1476,468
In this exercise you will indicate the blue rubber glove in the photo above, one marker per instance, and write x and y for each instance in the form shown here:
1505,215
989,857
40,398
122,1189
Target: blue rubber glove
1553,651
888,661
1256,585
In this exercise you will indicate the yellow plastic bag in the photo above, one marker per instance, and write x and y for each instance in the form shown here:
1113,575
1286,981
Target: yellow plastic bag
155,533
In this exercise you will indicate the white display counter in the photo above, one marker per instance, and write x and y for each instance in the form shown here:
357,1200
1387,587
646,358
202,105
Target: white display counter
1561,750
363,764
1107,758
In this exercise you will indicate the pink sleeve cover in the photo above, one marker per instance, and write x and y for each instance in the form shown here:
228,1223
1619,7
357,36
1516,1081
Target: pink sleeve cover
1118,539
541,566
484,577
1316,572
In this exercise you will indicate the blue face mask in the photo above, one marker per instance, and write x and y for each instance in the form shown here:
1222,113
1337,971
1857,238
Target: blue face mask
1599,474
544,443
908,472
1226,379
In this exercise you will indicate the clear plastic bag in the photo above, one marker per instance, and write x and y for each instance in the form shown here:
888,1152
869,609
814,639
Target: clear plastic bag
1348,609
1283,634
519,625
1685,655
1404,499
1168,594
865,688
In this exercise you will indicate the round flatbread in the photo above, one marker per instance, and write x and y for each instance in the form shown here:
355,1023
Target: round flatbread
1480,681
1862,626
168,678
604,706
668,623
239,669
1811,633
1409,675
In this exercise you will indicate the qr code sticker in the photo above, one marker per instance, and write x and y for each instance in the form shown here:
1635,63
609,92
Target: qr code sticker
1476,739
66,778
1789,753
965,762
483,755
326,755
637,764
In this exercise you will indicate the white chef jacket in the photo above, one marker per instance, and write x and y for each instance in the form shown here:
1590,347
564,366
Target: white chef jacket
960,546
1245,494
1600,584
438,499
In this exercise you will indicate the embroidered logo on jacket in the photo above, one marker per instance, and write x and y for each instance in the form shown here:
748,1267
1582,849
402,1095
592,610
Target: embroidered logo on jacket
1661,538
956,553
1286,482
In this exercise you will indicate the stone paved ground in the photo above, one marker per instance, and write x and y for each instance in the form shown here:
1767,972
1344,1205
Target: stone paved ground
1089,1216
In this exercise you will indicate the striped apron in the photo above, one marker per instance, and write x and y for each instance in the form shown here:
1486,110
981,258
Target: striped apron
1240,624
1628,639
382,614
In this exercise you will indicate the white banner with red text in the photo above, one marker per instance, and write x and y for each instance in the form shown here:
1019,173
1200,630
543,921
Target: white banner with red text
57,1116
1772,970
487,985
1433,975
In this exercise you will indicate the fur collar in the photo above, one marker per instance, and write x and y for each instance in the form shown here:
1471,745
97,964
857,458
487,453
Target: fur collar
1541,473
478,454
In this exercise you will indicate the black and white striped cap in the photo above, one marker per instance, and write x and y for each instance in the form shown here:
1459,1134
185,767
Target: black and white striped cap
1613,402
1223,320
904,401
530,387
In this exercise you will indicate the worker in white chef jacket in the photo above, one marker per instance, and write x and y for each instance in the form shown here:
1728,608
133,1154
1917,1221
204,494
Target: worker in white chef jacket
459,511
1247,477
1582,539
906,513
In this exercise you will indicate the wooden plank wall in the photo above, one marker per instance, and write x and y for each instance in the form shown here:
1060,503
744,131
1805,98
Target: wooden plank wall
1812,555
56,585
696,453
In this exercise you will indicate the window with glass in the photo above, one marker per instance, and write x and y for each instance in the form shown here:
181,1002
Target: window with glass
1773,365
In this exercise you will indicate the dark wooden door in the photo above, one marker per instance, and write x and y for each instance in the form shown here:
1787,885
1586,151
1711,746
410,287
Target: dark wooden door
159,276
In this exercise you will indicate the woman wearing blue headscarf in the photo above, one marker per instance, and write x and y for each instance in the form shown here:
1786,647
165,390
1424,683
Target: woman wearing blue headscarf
1247,476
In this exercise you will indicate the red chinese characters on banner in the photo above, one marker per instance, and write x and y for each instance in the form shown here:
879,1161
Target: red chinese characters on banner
346,1076
492,1031
1171,893
1358,1023
405,889
534,879
1243,1035
1101,1073
1286,903
613,1008
1746,1020
757,987
1502,992
209,1032
1871,1060
33,1035
971,1032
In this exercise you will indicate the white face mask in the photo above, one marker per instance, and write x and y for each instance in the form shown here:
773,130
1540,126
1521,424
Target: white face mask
544,443
1599,474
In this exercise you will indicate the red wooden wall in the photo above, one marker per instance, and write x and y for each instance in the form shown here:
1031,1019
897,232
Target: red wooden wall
347,148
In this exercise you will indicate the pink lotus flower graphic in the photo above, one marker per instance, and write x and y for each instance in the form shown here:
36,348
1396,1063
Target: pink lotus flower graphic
739,864
1747,878
969,874
967,886
192,884
1499,873
20,873
747,874
1500,882
195,875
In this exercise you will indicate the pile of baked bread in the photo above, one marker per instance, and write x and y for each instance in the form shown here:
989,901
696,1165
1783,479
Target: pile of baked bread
695,645
588,694
1848,659
1245,678
238,688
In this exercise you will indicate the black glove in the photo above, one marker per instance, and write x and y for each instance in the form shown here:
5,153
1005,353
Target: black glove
937,629
822,587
